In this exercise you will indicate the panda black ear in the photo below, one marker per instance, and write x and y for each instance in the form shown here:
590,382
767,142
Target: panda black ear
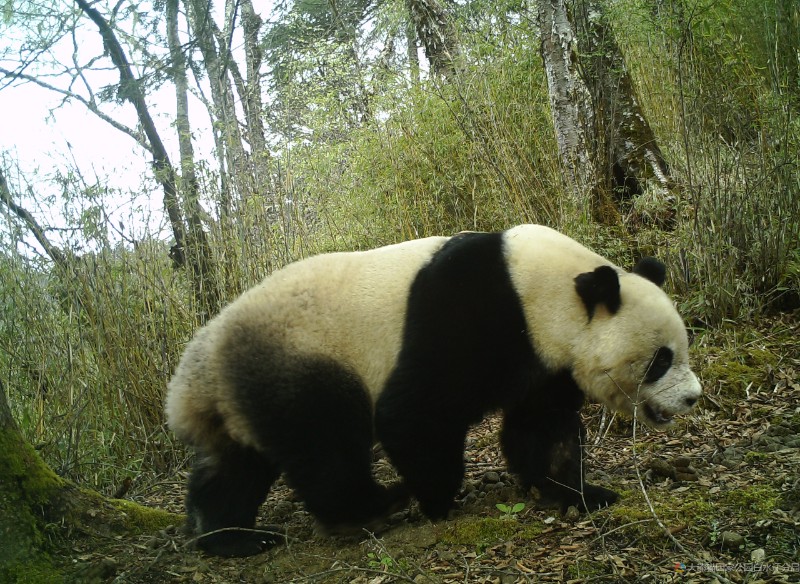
599,287
652,269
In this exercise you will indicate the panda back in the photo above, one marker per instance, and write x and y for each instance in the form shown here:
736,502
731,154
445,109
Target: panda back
347,307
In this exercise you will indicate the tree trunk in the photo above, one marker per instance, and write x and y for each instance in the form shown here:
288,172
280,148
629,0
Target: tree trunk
217,64
24,482
570,102
411,49
34,502
605,142
632,155
436,32
253,102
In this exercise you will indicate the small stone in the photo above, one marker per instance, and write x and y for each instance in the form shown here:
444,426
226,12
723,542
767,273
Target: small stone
731,540
491,477
572,514
757,555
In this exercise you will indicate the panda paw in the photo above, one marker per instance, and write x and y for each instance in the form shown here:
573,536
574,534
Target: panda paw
240,543
594,497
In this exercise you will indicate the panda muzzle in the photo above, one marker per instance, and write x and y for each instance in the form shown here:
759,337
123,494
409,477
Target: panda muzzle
657,416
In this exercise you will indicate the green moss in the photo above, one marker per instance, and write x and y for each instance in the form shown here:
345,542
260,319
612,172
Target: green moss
146,519
26,484
738,358
22,464
755,456
587,571
753,503
692,508
36,570
487,531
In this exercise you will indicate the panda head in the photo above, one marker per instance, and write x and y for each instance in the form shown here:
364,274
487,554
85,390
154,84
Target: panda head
633,352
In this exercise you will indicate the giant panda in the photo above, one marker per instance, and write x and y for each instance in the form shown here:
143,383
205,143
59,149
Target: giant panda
410,344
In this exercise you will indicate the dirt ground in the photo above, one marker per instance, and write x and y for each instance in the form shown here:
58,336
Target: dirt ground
714,499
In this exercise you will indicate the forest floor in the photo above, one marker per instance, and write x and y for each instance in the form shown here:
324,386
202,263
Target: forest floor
714,499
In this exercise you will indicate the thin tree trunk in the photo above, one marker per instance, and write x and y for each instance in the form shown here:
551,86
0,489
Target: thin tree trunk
130,90
51,250
253,102
413,56
200,257
200,260
217,66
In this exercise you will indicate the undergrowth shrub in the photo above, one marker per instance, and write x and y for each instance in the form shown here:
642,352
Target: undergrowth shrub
87,351
718,90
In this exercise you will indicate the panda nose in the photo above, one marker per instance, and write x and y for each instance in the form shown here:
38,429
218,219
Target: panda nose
690,401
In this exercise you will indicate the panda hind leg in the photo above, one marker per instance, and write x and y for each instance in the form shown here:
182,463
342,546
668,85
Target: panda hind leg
545,450
224,494
323,440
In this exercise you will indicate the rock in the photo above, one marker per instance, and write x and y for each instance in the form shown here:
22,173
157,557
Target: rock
572,514
470,498
282,510
491,477
731,540
99,571
757,556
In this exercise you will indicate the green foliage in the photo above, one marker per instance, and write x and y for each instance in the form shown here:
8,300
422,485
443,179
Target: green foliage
733,360
443,158
510,511
88,353
718,91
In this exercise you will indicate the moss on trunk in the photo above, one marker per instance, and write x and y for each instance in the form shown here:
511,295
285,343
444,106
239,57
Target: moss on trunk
40,512
26,485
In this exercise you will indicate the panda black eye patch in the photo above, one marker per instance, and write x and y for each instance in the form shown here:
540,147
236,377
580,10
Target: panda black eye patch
659,365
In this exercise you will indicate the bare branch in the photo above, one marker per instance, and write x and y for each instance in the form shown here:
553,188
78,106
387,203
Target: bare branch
38,232
90,105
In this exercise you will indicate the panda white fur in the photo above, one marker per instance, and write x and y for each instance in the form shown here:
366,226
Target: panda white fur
410,344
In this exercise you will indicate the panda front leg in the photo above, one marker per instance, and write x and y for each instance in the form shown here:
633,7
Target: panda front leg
543,447
224,493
